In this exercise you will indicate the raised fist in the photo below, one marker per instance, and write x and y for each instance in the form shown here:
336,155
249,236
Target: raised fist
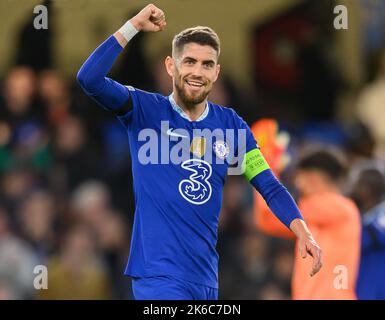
150,18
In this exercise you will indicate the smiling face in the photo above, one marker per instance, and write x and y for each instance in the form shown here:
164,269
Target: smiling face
194,70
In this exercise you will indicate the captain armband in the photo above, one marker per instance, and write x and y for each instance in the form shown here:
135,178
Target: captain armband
254,163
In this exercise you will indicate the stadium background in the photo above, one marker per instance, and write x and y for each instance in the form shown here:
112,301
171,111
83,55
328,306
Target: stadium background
65,191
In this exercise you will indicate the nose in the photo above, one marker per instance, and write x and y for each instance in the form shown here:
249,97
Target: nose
197,70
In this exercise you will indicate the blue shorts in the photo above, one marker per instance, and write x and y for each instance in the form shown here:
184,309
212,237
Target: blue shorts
169,288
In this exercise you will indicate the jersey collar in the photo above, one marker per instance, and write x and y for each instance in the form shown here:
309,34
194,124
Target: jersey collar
183,114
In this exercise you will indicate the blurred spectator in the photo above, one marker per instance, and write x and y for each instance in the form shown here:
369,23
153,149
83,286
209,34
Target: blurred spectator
17,262
36,222
31,148
15,185
77,272
54,93
371,108
5,152
19,104
114,243
360,143
367,188
24,139
74,158
91,203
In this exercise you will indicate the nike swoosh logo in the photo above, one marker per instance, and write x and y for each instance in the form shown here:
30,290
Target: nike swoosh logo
174,134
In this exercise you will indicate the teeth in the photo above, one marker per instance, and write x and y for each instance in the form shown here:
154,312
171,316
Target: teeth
195,84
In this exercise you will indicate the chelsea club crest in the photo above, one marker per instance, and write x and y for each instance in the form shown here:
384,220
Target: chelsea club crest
221,149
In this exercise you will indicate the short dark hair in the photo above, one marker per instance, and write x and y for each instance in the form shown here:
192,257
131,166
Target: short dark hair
373,179
331,163
201,35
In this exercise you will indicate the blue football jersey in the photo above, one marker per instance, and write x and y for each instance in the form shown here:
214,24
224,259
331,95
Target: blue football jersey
370,281
178,202
179,168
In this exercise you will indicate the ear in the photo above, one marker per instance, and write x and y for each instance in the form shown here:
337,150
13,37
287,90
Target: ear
217,72
170,66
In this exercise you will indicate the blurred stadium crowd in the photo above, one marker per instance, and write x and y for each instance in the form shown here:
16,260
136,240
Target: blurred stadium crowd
66,197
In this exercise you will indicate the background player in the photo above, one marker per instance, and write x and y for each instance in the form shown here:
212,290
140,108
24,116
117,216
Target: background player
368,191
333,218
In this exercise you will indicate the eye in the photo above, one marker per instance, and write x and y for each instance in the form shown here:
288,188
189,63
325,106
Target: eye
209,65
189,62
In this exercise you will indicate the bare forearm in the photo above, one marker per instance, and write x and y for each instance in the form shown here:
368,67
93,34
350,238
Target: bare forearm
300,229
118,36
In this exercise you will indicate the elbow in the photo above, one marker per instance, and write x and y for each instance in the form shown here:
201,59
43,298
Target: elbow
82,79
90,84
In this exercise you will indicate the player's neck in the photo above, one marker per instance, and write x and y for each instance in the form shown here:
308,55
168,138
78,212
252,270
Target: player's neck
320,189
192,111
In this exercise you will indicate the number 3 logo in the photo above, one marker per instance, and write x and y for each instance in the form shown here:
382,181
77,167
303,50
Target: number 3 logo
197,188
